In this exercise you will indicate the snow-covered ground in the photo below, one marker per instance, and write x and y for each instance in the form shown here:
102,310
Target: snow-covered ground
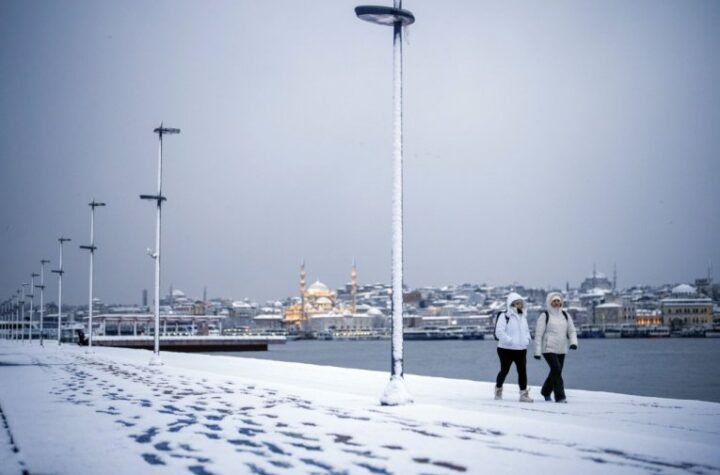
65,411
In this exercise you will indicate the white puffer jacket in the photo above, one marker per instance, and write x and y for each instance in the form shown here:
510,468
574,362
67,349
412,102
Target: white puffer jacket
512,332
558,334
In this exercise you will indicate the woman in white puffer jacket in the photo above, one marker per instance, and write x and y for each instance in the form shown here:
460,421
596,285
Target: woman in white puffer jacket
513,335
554,334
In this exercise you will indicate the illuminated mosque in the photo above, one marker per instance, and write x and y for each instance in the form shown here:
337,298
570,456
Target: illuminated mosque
318,300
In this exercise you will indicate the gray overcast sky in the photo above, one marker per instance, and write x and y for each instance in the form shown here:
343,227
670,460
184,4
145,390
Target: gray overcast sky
540,137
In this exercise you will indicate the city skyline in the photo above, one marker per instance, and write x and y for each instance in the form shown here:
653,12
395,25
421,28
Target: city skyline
540,139
208,296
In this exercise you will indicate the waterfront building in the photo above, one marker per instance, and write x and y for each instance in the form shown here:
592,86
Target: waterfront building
111,324
347,323
615,312
645,317
610,313
685,308
268,321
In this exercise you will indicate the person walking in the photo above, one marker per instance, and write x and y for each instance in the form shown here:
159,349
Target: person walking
554,334
513,335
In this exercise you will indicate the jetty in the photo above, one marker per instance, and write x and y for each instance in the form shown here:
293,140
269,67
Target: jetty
192,343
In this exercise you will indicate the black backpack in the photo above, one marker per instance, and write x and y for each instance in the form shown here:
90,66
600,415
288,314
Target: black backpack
547,316
497,317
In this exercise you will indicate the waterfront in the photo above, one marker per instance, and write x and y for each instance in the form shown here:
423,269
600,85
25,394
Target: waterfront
67,411
683,368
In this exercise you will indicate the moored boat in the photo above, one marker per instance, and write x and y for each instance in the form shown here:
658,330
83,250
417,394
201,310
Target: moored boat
443,333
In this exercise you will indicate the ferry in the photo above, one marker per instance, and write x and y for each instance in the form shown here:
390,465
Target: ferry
691,332
628,330
589,331
659,331
713,332
443,333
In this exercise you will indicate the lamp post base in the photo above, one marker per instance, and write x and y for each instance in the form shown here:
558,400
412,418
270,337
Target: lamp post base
395,393
155,361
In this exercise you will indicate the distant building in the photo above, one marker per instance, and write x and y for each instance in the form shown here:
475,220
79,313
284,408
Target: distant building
596,281
645,317
609,314
198,308
269,321
684,308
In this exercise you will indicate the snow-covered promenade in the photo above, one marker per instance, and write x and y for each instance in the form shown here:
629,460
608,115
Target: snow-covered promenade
65,411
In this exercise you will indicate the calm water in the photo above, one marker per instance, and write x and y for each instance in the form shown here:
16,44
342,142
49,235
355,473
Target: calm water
683,368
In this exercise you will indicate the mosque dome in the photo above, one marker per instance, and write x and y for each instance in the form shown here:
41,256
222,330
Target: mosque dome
318,286
683,289
318,289
324,301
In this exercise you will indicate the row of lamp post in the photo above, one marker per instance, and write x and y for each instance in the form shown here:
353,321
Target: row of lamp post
395,392
14,313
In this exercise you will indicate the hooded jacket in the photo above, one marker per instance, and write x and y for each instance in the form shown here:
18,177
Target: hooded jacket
513,333
558,334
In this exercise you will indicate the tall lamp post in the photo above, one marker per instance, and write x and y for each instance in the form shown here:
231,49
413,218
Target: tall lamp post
22,311
32,302
59,271
42,299
93,204
16,314
7,312
4,319
395,392
158,198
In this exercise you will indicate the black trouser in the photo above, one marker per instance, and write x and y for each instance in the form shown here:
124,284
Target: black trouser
554,381
507,358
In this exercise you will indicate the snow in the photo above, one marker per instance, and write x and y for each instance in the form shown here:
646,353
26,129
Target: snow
683,289
395,393
71,412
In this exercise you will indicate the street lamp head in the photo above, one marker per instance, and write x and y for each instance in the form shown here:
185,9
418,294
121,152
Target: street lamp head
45,261
387,16
64,239
165,130
94,204
34,275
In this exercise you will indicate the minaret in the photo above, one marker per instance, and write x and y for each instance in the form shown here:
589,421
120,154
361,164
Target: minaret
594,278
615,277
353,287
302,291
205,294
710,272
